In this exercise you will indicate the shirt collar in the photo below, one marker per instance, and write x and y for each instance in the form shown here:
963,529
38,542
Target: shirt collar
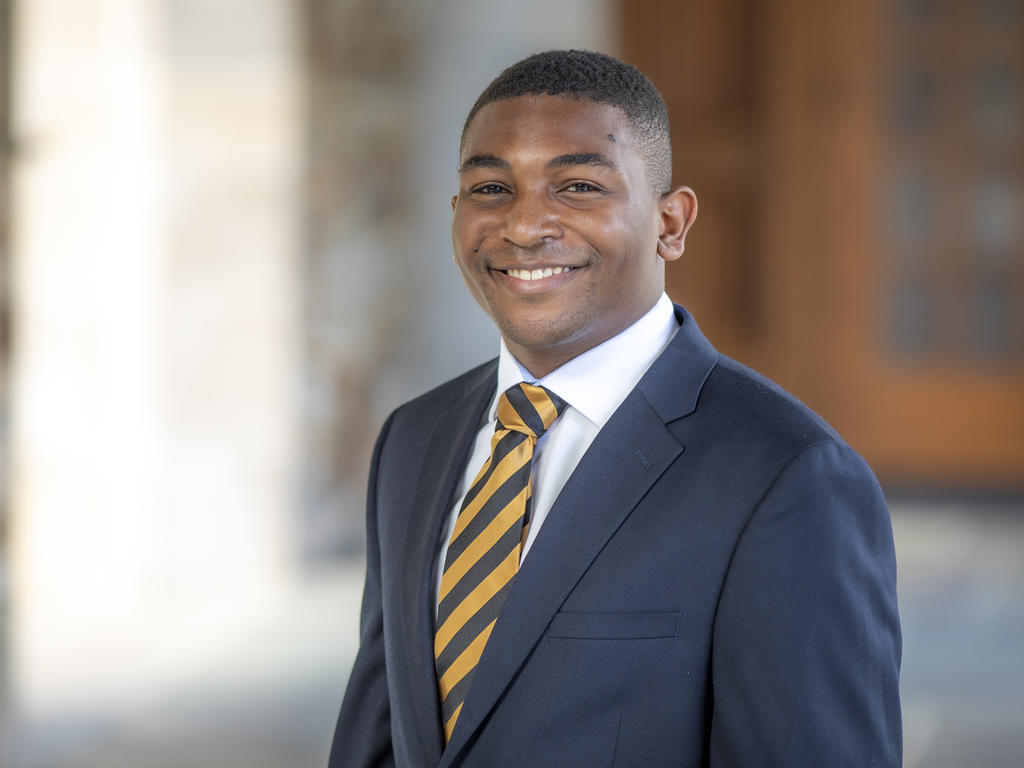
618,364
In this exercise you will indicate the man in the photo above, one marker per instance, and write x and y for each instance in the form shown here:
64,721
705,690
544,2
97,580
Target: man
665,559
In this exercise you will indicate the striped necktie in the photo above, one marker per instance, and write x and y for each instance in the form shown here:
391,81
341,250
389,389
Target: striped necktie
485,547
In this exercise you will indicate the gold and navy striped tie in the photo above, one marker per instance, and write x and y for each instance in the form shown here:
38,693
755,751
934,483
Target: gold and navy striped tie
485,547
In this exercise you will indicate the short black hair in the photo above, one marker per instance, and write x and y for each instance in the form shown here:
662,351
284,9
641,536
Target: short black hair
597,77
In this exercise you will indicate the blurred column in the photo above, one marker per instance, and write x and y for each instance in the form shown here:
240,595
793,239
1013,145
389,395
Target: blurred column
155,282
5,76
363,58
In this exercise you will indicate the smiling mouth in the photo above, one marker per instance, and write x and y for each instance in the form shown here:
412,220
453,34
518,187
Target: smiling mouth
536,274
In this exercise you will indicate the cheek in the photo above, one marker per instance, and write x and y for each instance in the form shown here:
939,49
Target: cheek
469,274
460,224
467,241
614,234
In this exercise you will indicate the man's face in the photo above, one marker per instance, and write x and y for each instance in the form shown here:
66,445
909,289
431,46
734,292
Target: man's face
556,228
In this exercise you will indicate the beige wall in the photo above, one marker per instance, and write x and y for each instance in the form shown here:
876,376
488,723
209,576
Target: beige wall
155,269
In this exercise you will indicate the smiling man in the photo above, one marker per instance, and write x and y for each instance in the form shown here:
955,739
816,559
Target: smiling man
610,546
559,185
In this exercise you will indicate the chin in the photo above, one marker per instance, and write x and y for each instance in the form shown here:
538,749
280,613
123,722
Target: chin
542,333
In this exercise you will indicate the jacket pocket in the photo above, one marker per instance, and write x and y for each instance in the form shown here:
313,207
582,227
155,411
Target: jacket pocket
614,626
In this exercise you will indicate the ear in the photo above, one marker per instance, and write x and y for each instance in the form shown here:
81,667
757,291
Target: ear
678,210
455,199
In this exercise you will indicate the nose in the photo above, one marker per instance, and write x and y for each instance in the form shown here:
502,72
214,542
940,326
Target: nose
530,220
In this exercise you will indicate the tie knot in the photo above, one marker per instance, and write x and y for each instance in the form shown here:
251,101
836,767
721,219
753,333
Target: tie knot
529,409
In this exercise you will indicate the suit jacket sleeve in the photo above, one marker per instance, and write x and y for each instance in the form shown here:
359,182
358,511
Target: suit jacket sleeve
805,666
362,738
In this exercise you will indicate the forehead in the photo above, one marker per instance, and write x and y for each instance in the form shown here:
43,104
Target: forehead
548,126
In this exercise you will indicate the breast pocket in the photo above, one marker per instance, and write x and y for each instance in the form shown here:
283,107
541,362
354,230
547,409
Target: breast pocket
614,626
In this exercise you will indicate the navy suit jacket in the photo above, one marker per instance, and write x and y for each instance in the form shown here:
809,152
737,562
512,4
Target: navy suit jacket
714,586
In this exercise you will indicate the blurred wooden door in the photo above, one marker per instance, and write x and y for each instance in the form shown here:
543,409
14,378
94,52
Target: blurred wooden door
860,170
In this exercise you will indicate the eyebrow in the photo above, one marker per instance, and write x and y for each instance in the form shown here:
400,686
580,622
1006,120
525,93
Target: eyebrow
582,158
562,161
484,161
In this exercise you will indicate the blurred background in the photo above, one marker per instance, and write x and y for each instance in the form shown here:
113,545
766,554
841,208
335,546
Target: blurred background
224,258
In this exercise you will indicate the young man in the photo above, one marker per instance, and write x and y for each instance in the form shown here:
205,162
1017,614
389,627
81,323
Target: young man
647,555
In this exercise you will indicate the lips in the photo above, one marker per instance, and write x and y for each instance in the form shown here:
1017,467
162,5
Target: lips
535,282
536,274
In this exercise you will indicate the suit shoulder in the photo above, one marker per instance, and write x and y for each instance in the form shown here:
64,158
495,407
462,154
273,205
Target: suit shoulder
473,382
748,404
762,433
405,439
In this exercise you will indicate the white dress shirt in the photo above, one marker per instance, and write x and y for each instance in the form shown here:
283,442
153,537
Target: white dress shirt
594,384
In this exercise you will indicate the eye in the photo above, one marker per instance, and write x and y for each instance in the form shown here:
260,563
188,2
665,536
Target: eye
489,189
582,187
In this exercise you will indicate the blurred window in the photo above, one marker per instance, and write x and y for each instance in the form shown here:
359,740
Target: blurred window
955,232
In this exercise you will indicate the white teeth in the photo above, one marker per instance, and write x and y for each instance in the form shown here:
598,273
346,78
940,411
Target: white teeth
536,274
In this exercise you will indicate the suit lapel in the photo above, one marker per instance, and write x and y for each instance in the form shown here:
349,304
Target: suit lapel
444,463
593,504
